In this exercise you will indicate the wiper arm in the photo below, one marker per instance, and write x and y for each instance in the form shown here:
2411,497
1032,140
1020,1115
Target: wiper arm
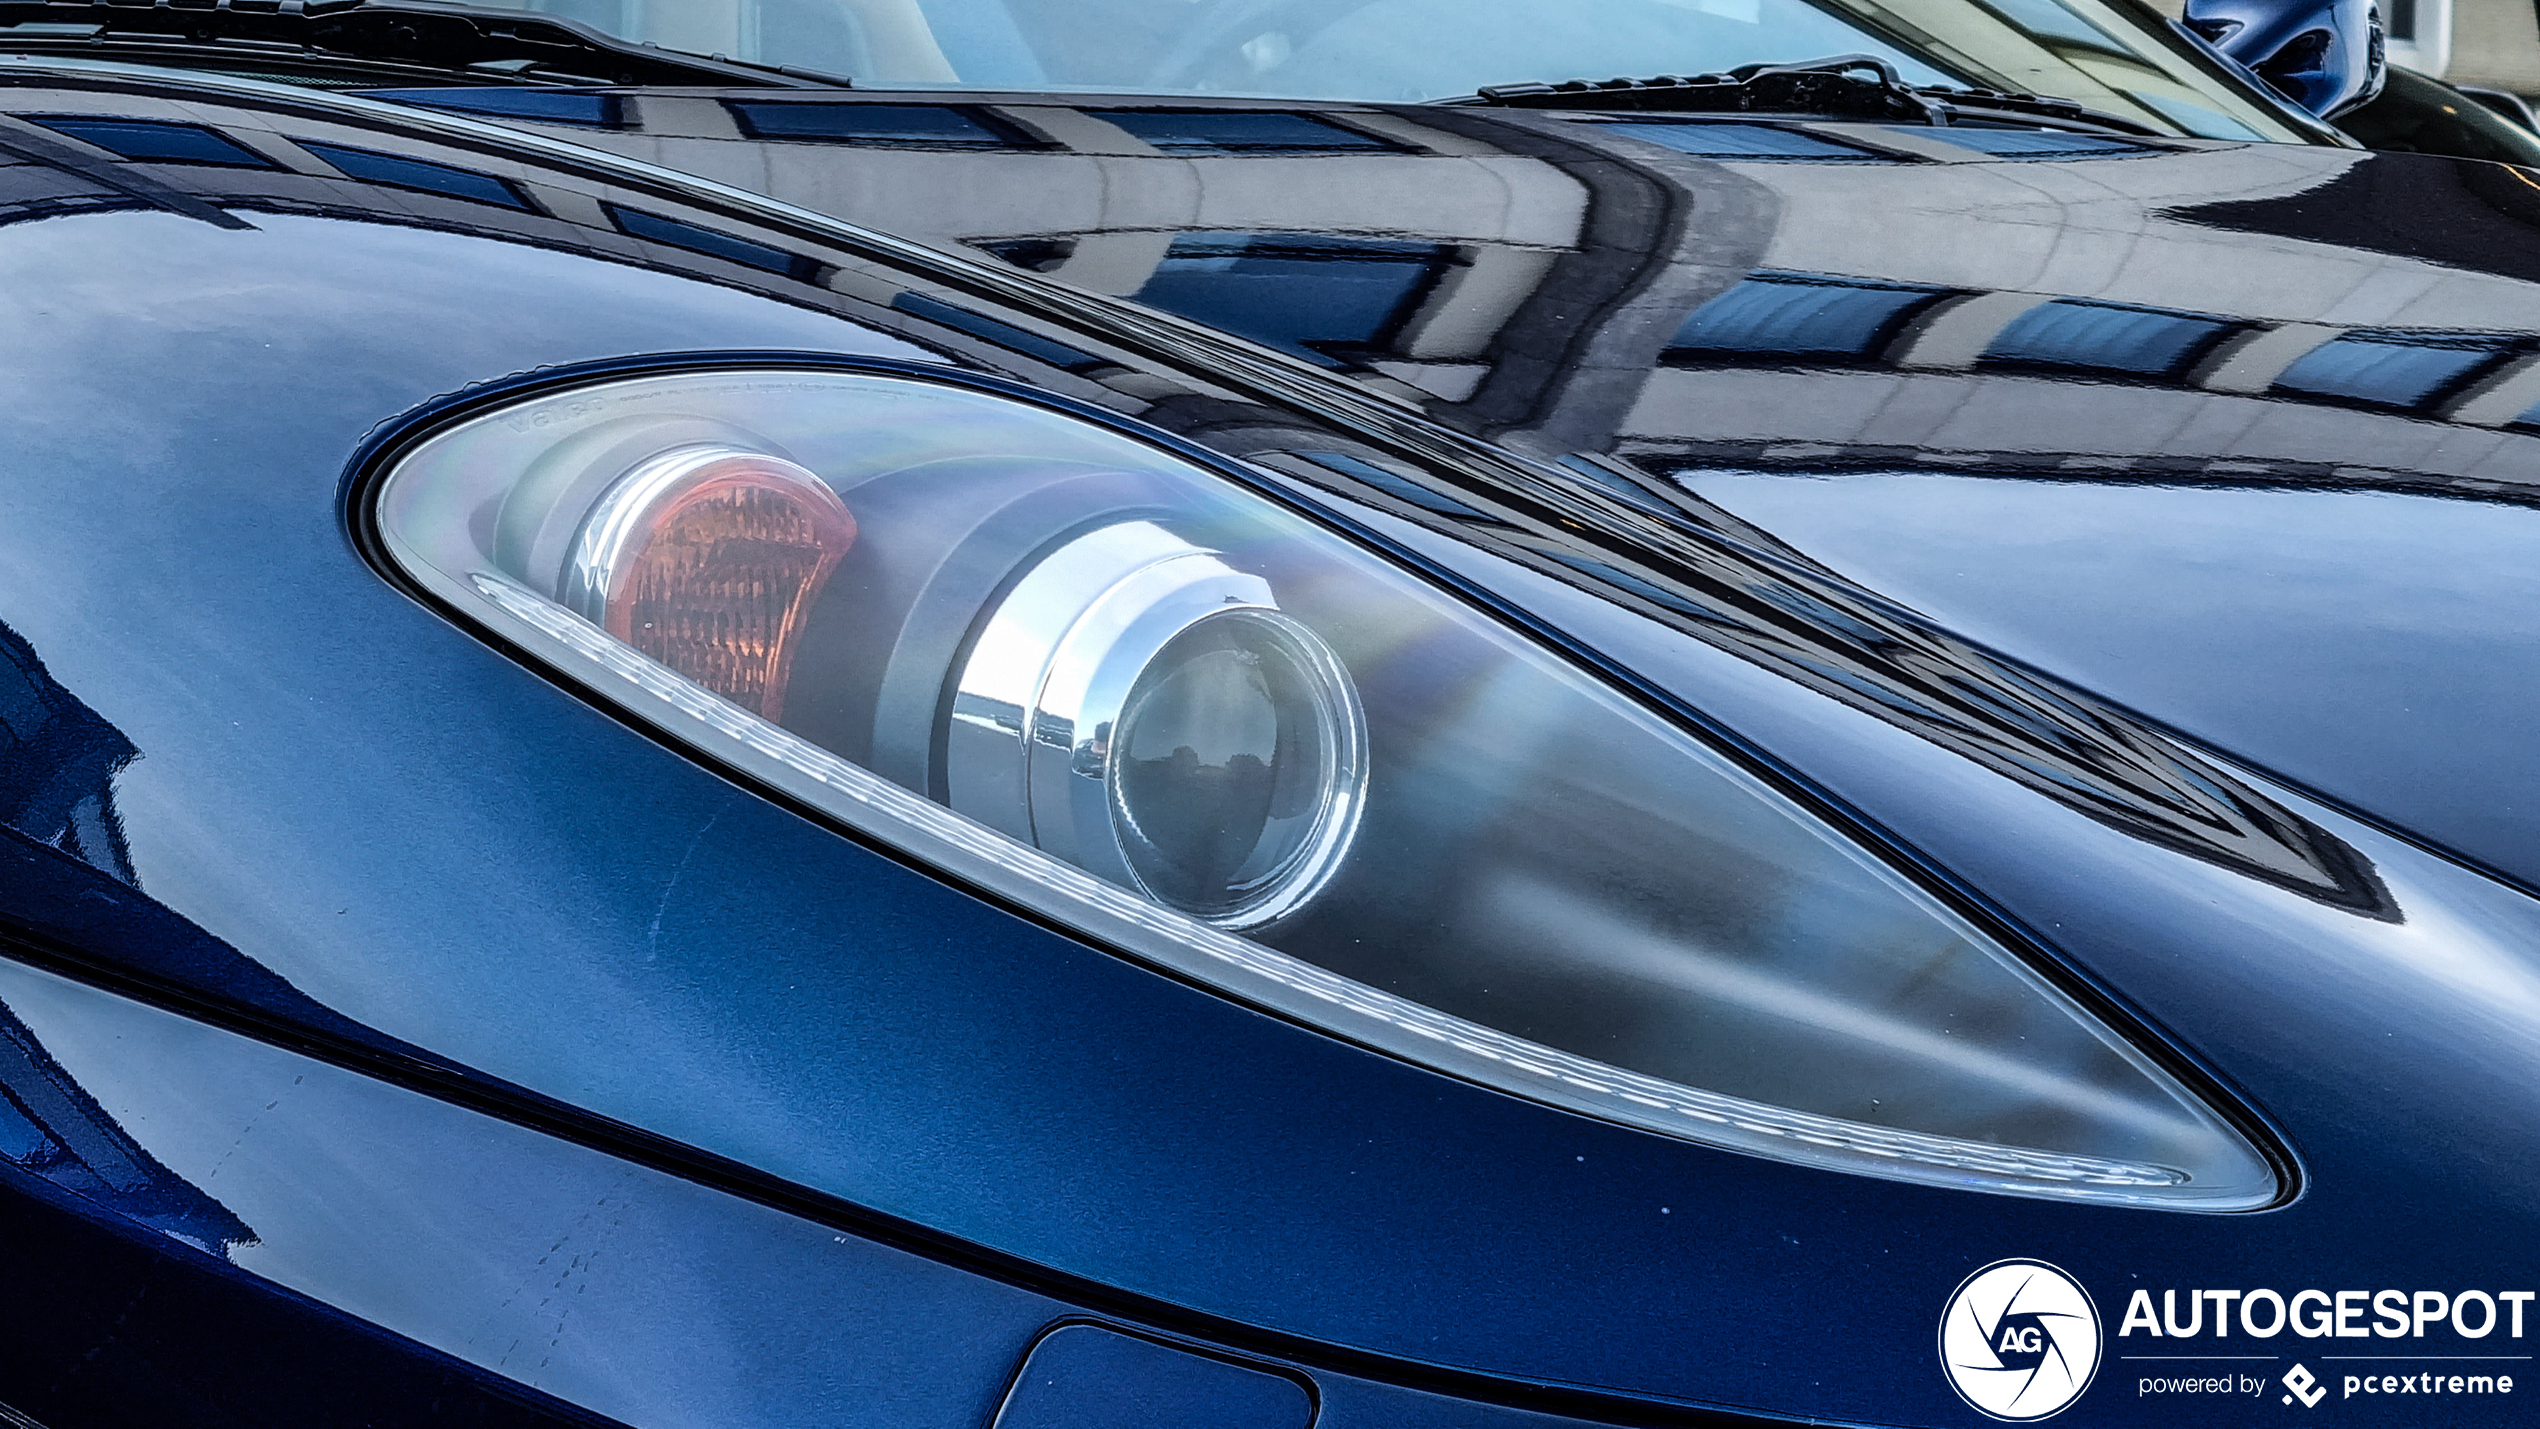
1858,87
488,46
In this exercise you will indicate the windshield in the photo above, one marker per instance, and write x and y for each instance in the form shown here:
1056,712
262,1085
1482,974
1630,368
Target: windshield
2109,57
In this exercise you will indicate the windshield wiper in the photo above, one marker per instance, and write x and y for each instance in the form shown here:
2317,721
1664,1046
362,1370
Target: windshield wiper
474,45
1860,87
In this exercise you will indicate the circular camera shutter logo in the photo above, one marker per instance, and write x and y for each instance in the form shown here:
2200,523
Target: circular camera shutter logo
2020,1340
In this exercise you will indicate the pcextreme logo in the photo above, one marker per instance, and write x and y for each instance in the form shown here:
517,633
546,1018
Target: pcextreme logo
2019,1340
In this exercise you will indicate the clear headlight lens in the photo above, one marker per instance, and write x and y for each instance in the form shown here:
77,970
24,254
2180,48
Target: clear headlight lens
1091,675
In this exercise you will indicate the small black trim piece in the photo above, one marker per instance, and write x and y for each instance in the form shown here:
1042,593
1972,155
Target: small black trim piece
1195,1348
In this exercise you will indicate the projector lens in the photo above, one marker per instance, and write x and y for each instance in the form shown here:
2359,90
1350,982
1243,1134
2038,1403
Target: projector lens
1142,708
1235,745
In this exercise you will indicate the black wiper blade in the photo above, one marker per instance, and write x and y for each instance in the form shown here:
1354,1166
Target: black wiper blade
1834,87
473,45
1856,87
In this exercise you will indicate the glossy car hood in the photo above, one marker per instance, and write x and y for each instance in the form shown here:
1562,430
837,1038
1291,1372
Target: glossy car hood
2373,645
2081,319
1647,400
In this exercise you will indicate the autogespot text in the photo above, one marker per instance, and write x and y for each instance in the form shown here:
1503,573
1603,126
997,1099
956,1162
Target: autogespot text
2454,1321
2330,1314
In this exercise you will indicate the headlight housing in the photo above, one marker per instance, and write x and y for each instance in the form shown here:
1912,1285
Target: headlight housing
1096,675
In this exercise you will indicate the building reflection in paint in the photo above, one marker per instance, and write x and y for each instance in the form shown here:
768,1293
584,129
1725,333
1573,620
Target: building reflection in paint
58,761
57,765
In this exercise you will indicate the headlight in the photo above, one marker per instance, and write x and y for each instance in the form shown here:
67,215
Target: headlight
1090,674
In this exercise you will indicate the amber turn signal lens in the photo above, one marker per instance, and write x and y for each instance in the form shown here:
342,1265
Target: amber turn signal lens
708,559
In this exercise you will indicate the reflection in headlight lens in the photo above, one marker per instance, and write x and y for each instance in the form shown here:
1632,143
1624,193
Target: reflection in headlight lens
1234,747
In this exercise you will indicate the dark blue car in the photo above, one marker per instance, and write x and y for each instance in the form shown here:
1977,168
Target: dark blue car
1159,715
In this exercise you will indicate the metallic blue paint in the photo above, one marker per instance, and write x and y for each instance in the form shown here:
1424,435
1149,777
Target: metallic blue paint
540,1060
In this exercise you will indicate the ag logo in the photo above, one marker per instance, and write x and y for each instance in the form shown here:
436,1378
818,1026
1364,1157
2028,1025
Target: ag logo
2020,1340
